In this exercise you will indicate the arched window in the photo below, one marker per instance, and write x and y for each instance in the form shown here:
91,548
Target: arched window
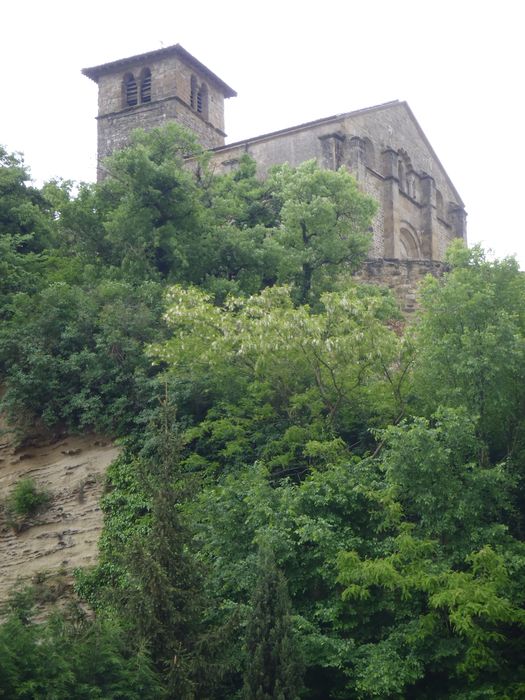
193,92
199,97
409,247
130,90
202,100
145,86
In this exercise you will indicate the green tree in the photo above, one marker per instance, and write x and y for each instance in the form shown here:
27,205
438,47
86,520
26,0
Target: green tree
26,229
341,504
159,597
73,354
275,377
23,209
273,663
80,212
69,656
437,611
471,349
19,271
324,226
241,254
470,354
152,214
434,469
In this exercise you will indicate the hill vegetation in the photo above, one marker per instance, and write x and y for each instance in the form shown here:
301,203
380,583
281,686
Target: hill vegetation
313,500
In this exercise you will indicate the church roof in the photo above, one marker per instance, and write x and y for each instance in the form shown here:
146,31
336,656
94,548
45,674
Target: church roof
95,72
341,117
308,125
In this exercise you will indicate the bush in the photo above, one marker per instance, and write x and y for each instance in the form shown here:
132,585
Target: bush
25,500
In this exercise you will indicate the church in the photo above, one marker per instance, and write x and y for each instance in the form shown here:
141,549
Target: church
420,211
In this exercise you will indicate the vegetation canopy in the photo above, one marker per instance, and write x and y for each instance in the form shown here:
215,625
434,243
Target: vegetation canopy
314,499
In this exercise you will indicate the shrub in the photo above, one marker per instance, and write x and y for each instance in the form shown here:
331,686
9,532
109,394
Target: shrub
25,500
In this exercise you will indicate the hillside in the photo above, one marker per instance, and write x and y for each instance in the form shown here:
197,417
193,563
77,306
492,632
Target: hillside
313,499
65,535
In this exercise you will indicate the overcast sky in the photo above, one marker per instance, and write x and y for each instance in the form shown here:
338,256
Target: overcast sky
458,64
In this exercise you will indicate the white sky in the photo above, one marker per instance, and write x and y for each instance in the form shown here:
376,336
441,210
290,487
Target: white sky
459,65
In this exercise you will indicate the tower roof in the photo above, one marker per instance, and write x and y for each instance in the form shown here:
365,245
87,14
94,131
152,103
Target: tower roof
95,72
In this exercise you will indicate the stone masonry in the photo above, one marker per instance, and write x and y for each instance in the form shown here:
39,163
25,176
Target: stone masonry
152,89
420,211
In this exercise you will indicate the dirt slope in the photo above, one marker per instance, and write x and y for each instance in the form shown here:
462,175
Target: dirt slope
65,535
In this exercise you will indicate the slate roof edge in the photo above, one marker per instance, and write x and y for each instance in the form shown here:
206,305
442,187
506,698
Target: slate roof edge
94,72
306,125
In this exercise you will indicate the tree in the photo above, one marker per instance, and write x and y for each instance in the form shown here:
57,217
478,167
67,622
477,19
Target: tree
242,215
275,377
23,209
273,663
341,504
471,349
72,354
69,656
437,611
25,230
160,596
324,226
152,211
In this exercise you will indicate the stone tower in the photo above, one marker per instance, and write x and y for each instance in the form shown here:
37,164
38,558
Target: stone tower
154,88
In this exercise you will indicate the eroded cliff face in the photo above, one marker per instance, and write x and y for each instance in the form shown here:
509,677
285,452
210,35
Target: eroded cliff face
64,535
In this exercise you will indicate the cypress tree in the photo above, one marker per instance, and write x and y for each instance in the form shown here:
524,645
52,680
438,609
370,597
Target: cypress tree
273,666
163,605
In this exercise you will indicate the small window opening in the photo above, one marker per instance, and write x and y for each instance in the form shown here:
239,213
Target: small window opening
193,92
145,86
130,90
202,100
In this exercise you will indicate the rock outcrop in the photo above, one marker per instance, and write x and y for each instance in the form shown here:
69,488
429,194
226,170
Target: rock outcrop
64,535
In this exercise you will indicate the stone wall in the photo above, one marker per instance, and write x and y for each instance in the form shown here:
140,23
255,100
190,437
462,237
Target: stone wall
171,98
420,212
402,277
114,129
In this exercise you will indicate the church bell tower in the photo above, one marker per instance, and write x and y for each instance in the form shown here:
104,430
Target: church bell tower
152,89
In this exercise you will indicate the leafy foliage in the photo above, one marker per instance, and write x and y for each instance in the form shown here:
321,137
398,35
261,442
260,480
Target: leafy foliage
273,661
471,345
25,500
73,356
22,207
324,226
278,377
70,656
313,500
